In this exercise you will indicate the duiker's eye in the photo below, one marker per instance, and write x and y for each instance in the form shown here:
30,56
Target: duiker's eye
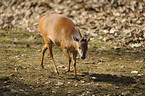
79,47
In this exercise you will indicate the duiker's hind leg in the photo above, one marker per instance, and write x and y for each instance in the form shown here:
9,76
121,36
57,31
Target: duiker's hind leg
49,46
44,48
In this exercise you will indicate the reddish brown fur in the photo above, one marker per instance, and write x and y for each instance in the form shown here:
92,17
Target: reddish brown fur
60,30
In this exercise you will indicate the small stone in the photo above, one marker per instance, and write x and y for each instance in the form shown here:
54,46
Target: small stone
134,72
93,77
122,67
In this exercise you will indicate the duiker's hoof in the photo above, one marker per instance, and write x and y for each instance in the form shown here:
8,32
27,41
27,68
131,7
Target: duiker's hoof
57,72
42,68
67,71
76,78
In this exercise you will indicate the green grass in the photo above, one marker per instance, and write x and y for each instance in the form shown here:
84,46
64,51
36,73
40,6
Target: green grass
104,71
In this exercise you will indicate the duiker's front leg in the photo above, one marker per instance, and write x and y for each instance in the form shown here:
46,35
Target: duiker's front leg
74,64
65,51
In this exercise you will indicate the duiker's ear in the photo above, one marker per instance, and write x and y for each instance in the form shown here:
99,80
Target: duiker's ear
75,39
88,39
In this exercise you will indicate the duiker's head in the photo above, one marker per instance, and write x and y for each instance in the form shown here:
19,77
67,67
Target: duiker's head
82,46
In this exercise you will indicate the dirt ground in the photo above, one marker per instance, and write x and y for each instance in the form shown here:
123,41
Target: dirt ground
105,71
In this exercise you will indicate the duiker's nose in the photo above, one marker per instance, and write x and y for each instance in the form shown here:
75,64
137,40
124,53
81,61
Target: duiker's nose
82,57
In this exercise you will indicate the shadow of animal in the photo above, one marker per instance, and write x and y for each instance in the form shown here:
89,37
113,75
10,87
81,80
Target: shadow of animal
113,79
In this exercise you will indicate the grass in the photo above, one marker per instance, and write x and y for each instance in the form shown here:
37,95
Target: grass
104,72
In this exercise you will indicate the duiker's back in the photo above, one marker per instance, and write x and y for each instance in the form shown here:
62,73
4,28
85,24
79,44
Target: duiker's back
57,27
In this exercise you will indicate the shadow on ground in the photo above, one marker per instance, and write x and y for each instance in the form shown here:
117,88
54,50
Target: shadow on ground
113,79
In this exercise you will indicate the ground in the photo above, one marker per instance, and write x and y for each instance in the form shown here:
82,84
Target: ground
105,71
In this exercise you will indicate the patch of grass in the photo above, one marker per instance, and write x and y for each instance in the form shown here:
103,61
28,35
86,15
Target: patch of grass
104,71
4,78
